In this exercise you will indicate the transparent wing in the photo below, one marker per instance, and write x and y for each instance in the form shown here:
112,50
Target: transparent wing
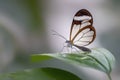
82,33
85,36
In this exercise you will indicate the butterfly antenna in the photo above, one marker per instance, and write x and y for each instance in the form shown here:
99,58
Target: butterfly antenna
57,34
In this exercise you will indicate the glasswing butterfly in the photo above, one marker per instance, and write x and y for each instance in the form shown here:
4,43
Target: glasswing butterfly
82,32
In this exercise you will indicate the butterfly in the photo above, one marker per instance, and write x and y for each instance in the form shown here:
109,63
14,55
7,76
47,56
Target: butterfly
82,32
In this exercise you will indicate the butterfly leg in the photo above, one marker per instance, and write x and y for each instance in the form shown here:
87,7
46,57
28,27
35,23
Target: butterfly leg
71,50
76,49
63,47
68,49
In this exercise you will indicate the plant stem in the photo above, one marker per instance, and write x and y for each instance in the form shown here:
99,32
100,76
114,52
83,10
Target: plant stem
109,77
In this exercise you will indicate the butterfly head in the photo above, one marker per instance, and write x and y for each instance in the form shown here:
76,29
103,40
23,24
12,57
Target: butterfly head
69,43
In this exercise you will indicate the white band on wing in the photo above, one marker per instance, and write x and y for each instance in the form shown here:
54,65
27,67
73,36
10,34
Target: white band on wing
80,18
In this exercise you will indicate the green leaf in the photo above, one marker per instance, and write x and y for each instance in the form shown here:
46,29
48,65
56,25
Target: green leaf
40,74
100,59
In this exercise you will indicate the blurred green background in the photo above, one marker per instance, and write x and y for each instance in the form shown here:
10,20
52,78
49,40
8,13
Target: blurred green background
26,28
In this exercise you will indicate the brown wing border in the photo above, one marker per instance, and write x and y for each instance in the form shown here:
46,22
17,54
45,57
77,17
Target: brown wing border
82,12
91,29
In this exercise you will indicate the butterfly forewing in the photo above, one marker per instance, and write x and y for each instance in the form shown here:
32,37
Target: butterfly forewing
82,32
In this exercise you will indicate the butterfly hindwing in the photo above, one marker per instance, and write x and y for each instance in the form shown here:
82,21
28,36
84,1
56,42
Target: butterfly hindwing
85,36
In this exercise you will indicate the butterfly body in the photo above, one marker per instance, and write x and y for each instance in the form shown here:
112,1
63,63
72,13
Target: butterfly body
70,45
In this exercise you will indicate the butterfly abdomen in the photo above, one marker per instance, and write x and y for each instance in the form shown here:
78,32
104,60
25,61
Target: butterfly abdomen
83,48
